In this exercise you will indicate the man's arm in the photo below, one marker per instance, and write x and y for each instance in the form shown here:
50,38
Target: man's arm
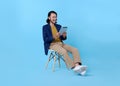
46,36
63,36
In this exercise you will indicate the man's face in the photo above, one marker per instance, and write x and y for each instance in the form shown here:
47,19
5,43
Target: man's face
53,18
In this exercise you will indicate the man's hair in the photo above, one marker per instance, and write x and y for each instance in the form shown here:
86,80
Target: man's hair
48,21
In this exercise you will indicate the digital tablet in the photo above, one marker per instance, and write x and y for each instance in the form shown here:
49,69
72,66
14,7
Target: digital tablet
62,30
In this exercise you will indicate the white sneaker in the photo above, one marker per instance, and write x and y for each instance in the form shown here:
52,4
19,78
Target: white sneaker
77,68
80,69
83,73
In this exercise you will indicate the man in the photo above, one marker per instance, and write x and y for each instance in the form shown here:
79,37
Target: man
53,40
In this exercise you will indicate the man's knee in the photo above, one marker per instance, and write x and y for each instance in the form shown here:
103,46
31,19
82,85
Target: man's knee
64,52
74,49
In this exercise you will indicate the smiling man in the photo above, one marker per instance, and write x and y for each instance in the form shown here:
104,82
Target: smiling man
53,40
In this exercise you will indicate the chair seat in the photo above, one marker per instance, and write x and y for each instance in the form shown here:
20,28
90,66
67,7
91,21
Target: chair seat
51,50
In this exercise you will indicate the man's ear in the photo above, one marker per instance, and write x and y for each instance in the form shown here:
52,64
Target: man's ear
49,18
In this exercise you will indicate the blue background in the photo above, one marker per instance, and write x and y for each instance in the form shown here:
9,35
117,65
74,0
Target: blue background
93,28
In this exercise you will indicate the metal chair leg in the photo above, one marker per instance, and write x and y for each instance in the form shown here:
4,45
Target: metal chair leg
59,61
50,57
67,66
54,58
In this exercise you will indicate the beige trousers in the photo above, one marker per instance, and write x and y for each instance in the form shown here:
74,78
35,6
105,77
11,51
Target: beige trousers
63,49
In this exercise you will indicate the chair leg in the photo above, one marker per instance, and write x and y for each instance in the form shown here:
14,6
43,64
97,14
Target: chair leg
54,58
67,66
48,61
59,61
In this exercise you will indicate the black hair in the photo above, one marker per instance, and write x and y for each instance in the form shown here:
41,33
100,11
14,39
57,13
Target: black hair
48,21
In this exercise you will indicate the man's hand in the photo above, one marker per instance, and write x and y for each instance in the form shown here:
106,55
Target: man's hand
64,34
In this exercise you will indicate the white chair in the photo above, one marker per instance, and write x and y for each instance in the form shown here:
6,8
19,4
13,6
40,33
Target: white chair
56,57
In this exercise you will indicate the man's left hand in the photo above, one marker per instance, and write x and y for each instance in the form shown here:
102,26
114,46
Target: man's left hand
64,34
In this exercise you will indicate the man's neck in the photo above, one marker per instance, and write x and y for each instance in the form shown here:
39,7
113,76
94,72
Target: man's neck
52,24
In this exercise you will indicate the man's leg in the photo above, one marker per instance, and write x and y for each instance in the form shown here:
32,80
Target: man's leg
58,48
74,52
